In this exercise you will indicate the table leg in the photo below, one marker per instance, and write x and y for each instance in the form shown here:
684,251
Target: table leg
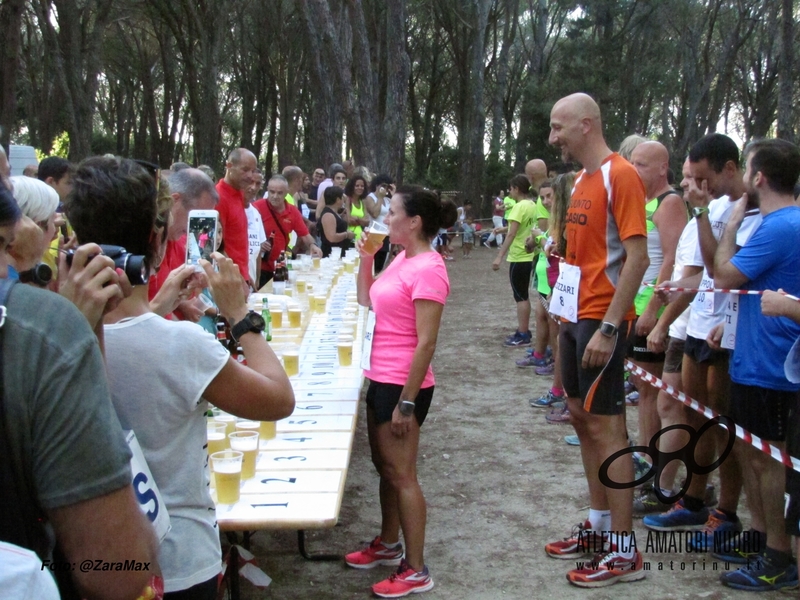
301,546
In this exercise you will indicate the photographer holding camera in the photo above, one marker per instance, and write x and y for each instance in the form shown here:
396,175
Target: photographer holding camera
162,372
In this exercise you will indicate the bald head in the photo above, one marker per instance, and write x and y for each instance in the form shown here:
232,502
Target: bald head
577,129
536,172
294,176
239,168
651,160
580,106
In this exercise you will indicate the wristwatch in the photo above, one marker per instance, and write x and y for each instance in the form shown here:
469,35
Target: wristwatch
699,210
40,274
252,322
608,329
406,407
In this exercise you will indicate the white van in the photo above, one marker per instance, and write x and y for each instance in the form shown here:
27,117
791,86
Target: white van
20,157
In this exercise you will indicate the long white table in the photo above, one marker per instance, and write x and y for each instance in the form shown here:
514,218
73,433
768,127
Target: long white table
301,474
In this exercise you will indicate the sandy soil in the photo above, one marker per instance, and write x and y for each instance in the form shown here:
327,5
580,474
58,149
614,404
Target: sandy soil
499,481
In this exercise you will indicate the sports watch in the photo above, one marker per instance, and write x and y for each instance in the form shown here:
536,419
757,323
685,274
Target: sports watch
406,407
608,329
699,210
252,322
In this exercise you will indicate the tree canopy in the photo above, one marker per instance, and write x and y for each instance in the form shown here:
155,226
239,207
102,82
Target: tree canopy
453,94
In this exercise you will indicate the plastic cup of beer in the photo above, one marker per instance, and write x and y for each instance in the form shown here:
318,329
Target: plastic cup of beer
229,420
300,285
216,436
375,236
344,346
315,260
291,360
319,302
349,265
227,467
246,442
248,426
277,316
267,430
288,290
295,317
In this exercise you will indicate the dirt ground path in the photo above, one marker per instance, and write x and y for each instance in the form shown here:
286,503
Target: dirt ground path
499,481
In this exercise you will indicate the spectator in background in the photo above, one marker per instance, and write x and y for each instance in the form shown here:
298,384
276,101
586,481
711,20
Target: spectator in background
355,211
336,176
190,189
239,170
31,171
38,201
377,204
57,173
334,231
257,240
280,220
208,171
179,166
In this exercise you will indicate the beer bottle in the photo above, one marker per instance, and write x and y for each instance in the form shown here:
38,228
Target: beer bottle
267,319
279,277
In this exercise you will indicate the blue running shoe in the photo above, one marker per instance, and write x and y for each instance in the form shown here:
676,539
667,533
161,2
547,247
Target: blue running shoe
743,549
518,340
546,401
761,575
532,361
677,518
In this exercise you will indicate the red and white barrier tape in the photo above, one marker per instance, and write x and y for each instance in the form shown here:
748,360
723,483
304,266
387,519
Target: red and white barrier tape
742,434
720,290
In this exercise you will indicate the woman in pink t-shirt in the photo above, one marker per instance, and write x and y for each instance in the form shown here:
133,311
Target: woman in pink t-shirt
407,299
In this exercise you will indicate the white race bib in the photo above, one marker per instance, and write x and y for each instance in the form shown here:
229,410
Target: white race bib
731,318
369,332
791,367
144,487
705,300
564,302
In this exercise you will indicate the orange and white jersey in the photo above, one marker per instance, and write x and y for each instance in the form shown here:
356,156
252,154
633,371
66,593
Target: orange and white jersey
606,207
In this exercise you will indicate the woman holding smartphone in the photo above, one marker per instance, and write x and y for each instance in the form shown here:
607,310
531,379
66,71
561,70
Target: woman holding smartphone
407,299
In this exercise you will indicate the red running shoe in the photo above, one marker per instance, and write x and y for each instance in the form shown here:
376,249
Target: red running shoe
406,581
581,542
373,554
608,570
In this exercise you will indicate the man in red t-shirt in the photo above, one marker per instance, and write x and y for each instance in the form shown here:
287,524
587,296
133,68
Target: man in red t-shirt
239,170
191,189
280,219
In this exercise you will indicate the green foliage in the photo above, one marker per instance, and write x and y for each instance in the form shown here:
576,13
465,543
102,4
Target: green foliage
61,145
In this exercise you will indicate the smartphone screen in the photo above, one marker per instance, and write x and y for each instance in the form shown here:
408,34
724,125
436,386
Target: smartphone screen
201,239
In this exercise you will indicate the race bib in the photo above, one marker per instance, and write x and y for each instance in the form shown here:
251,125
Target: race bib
369,332
791,367
564,302
144,487
731,318
705,300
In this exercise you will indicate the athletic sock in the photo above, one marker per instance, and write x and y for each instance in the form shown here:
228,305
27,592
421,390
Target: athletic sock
693,504
731,516
390,546
600,519
621,541
557,391
537,354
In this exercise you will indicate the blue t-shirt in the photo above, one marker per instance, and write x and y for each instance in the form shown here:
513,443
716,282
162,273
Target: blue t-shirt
771,261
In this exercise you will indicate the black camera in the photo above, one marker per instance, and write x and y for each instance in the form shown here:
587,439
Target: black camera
134,266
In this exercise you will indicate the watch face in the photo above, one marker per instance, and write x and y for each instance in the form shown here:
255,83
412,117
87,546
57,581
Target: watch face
256,320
